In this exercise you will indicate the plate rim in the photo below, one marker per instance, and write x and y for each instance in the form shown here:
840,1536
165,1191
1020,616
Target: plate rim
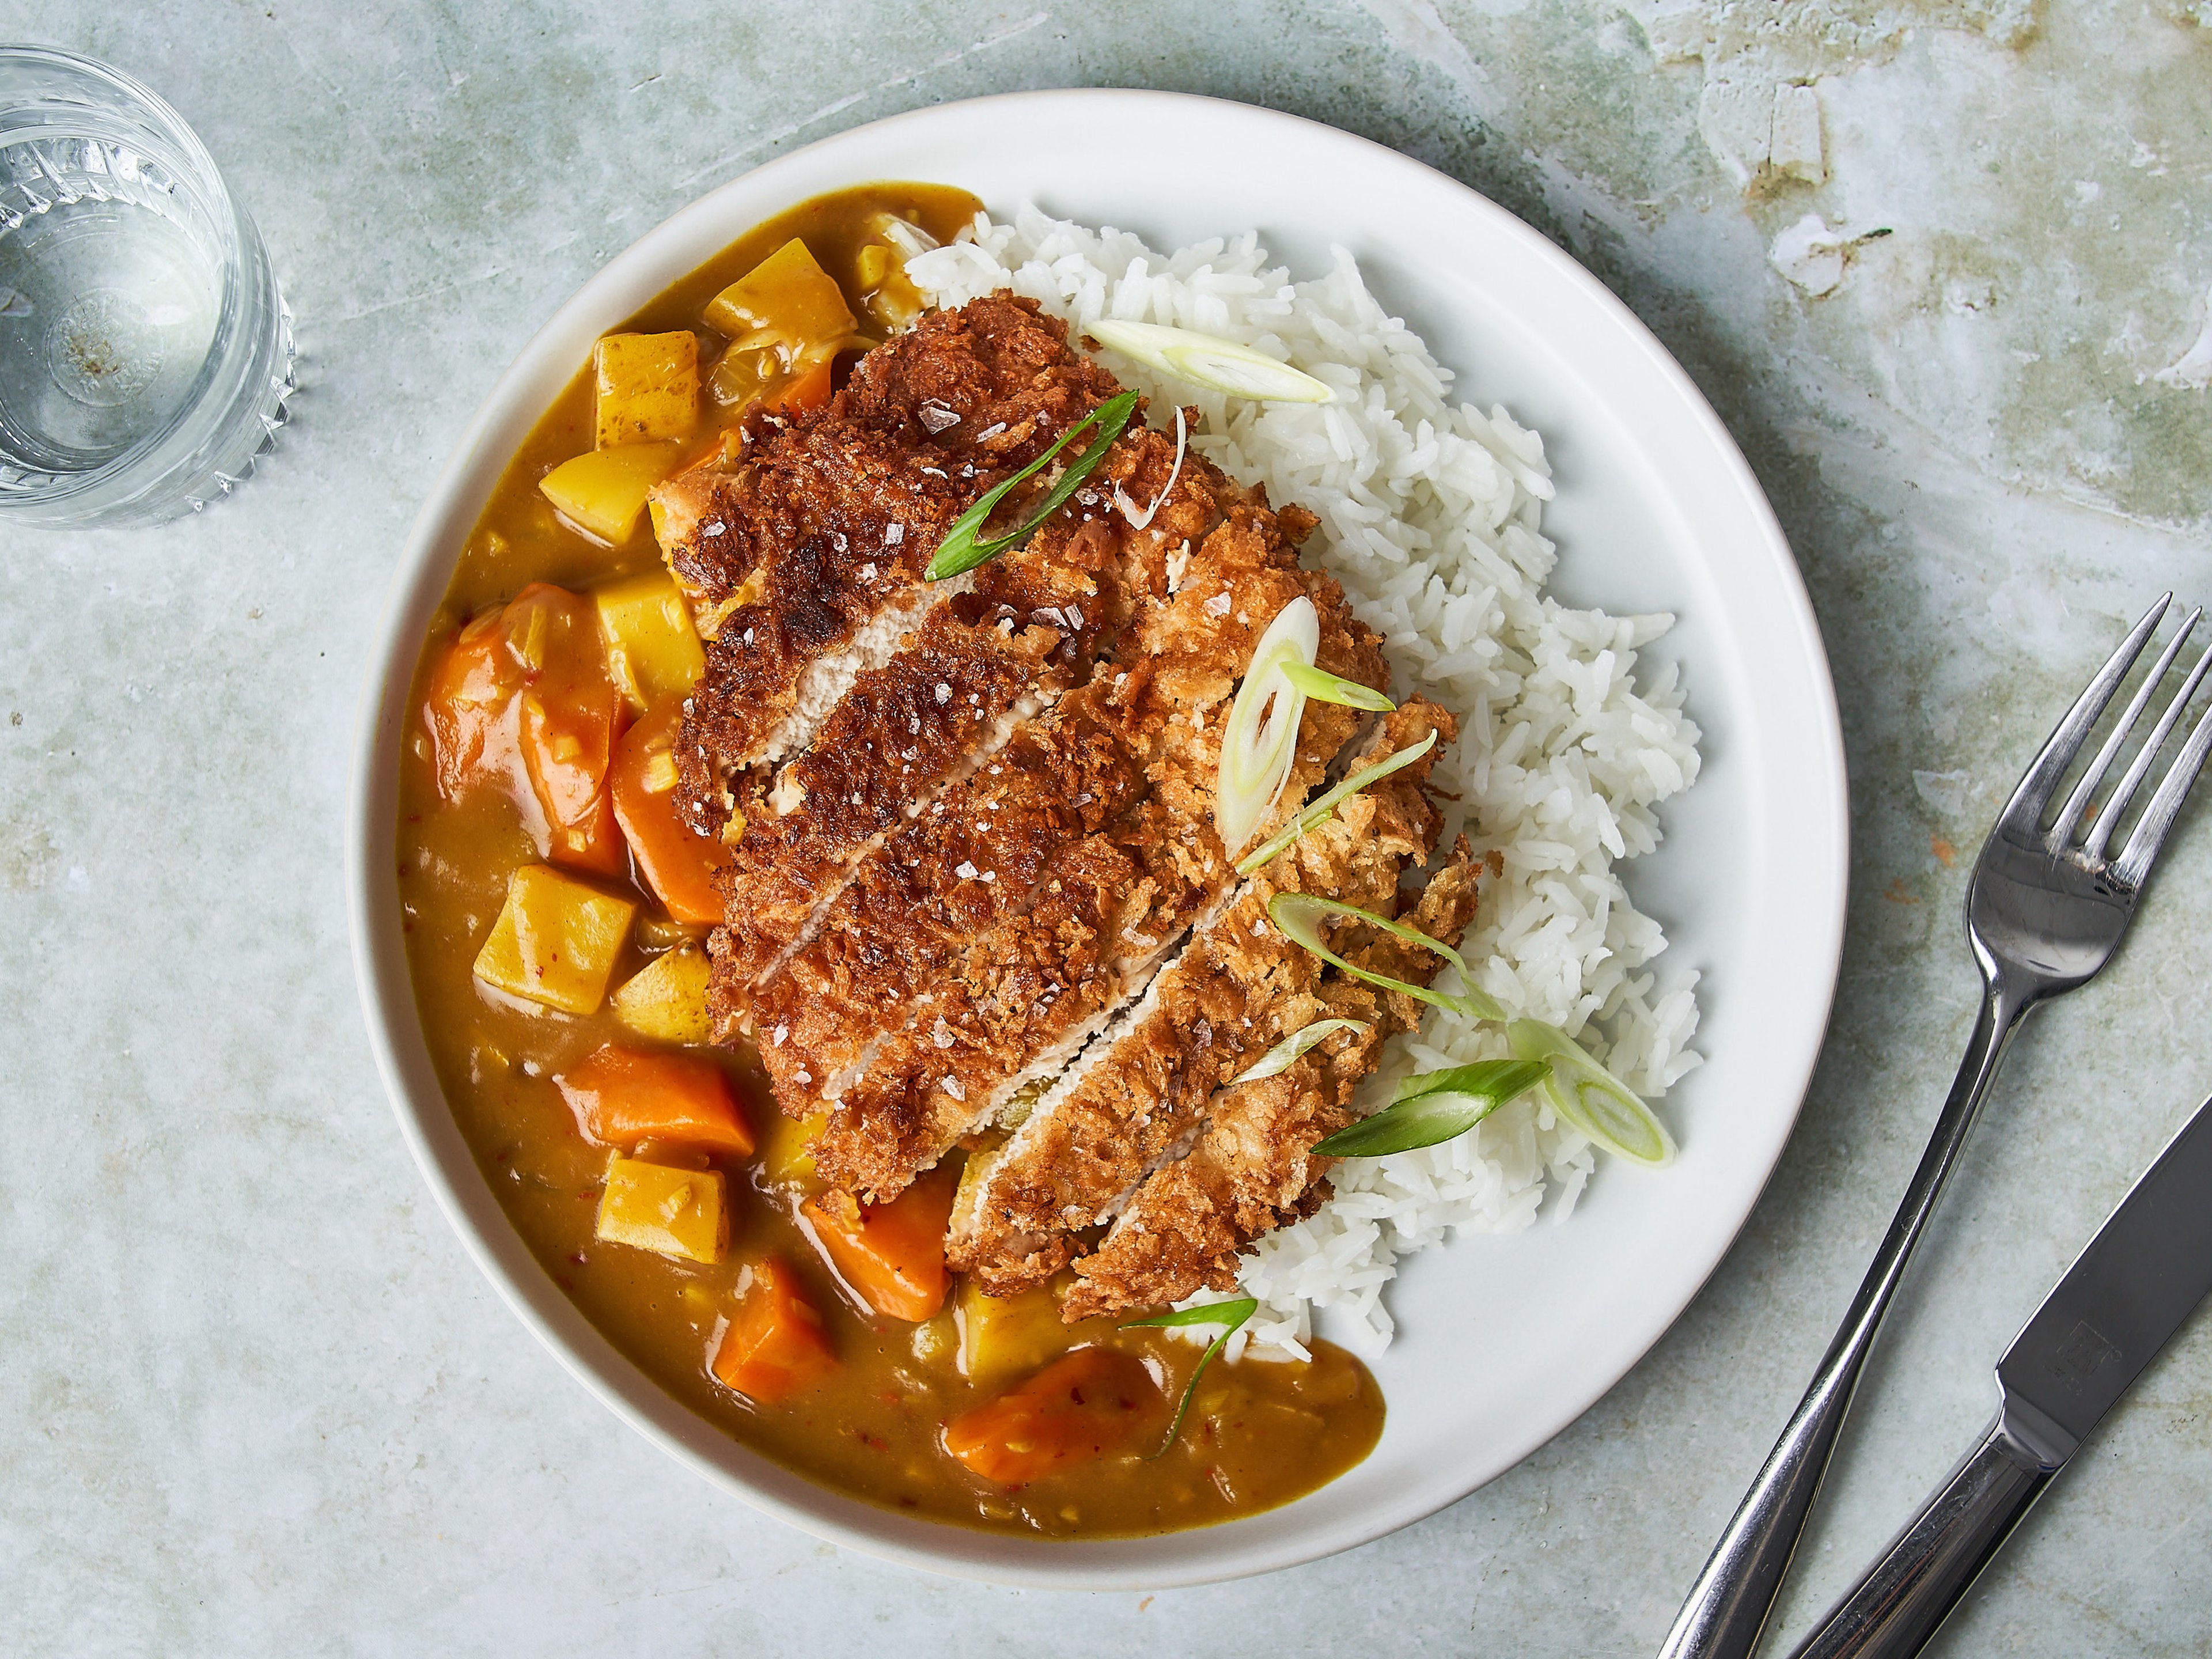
423,572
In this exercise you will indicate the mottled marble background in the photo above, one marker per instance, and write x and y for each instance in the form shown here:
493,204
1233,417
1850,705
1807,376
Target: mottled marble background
1944,268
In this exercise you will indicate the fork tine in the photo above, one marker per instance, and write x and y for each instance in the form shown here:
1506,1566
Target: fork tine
2164,807
2023,813
2108,818
2061,827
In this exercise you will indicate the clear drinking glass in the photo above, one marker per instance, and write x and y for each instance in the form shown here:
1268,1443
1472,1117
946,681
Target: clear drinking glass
145,352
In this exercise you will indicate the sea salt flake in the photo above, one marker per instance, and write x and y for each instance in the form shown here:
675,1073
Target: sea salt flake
1218,605
965,871
952,1087
781,1032
944,693
936,417
990,431
941,1033
894,534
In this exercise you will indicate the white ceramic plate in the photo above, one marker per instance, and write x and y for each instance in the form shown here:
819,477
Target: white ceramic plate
1502,1342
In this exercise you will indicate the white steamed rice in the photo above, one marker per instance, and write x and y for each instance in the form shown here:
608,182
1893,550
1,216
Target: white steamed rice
1430,515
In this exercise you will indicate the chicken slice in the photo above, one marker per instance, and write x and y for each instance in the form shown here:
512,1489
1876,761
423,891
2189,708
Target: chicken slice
1113,908
1252,1169
1137,1093
982,666
957,885
805,558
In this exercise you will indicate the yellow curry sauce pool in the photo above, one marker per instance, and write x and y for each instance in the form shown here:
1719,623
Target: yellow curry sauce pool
1259,1433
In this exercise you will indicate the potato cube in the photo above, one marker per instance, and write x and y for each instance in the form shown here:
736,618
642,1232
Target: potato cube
787,1156
1003,1336
787,297
666,1001
675,1212
603,492
646,387
652,648
556,940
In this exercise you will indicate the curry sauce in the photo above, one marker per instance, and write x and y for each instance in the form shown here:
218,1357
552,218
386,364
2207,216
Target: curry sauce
932,1415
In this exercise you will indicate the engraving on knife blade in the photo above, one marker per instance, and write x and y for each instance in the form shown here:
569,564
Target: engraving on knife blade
2085,1348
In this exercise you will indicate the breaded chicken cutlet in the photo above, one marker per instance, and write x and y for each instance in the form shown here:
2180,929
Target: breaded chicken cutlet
975,876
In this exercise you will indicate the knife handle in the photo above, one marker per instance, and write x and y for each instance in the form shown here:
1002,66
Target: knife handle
1893,1610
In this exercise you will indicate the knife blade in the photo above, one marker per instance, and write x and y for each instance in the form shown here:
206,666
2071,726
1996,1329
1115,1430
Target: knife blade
2137,1283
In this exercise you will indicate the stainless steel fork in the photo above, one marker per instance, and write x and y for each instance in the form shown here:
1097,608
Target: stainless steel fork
2045,911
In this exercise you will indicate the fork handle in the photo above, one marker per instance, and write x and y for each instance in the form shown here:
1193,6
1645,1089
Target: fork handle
1728,1606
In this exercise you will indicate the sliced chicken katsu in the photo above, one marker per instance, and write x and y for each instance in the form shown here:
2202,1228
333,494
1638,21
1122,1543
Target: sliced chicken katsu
1109,909
1098,794
985,664
981,664
1139,1092
805,558
1253,1168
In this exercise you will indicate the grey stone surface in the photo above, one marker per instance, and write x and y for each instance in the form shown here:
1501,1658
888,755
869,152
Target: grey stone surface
253,1398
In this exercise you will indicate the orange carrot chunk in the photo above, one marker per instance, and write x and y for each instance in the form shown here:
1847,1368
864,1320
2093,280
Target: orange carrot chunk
623,1095
522,698
893,1254
809,391
470,708
678,862
773,1347
1081,1407
572,712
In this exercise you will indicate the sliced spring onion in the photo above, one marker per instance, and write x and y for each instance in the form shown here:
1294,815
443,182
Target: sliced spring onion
1324,687
1594,1100
1209,361
1436,1107
1479,1078
960,549
1143,520
1261,736
1286,1053
1313,817
1298,917
1231,1314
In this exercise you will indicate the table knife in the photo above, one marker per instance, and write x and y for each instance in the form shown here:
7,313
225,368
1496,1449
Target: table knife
2134,1288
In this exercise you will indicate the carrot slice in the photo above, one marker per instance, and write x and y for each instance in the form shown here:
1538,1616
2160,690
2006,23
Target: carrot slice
468,710
893,1254
773,1347
811,390
678,862
622,1095
522,698
1080,1408
572,712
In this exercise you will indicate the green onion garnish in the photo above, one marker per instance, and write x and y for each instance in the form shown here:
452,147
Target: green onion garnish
1594,1100
1324,687
1233,1313
1286,1053
1436,1107
1261,738
1298,916
960,550
1312,817
1209,361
